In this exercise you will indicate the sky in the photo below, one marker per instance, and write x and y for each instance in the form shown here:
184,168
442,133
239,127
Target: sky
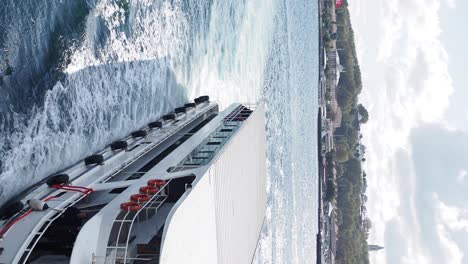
412,55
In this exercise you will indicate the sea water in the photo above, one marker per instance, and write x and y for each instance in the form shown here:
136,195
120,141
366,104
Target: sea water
76,75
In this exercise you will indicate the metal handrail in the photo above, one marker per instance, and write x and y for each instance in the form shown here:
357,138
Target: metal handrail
234,113
133,221
252,106
144,207
230,117
51,220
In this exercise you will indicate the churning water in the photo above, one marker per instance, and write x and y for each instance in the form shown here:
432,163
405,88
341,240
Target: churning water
76,75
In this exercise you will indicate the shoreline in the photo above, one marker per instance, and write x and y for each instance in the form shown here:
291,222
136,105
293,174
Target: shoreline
320,182
342,180
319,238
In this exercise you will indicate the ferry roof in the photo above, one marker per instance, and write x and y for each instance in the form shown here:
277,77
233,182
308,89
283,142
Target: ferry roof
220,219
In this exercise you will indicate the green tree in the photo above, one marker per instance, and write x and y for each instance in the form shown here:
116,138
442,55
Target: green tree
326,37
345,99
367,225
352,238
363,113
331,191
341,153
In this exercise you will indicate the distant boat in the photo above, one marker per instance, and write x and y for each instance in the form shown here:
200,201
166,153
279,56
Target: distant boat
188,188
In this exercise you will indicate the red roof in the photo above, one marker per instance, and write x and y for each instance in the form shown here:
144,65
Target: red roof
339,3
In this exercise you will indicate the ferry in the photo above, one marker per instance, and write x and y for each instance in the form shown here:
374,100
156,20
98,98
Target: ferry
189,187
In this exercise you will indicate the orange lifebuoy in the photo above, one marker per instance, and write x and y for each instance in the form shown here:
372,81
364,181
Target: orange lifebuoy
139,198
149,190
130,206
157,183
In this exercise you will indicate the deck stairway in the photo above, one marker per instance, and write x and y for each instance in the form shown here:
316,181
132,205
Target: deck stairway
150,252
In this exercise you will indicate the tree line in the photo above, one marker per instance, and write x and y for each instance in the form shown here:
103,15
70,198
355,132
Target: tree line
352,233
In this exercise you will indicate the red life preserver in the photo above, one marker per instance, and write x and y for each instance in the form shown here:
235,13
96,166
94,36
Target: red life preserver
157,183
130,206
139,198
149,190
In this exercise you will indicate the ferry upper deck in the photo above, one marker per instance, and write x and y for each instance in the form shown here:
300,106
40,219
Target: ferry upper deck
188,188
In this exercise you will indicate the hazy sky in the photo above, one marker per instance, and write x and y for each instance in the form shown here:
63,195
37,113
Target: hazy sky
413,60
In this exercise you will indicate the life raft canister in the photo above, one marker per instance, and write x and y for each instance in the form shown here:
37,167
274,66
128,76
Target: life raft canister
119,144
149,190
139,198
155,124
130,206
156,183
202,99
138,133
180,110
168,117
57,179
94,159
10,209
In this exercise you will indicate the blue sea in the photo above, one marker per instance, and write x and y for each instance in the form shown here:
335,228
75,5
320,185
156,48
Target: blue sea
76,75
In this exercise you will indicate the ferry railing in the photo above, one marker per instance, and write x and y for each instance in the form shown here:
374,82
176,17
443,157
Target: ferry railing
154,203
250,105
234,113
39,230
235,118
